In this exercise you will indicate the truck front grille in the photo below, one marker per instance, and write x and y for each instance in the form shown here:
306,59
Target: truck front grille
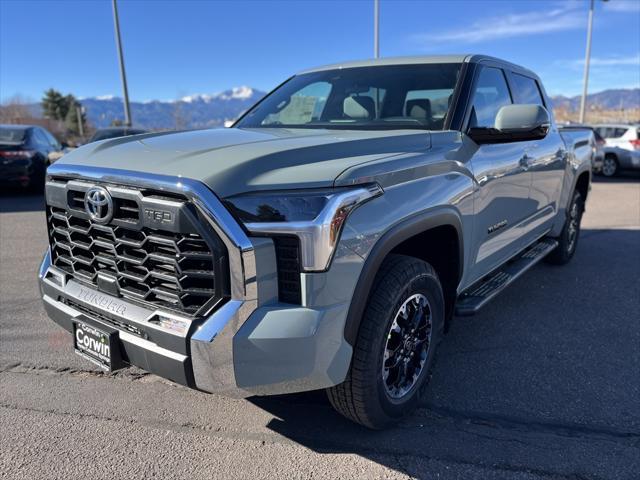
181,270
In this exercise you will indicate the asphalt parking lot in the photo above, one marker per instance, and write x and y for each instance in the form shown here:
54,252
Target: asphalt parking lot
544,383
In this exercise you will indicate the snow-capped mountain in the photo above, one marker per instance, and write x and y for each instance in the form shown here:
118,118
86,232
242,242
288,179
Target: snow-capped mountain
236,93
192,111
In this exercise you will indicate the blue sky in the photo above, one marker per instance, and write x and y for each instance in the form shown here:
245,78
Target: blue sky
176,48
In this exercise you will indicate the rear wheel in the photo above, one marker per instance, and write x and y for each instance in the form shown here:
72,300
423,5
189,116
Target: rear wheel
396,344
610,166
568,240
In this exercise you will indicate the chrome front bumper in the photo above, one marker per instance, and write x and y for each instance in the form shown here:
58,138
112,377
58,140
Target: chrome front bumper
251,344
237,351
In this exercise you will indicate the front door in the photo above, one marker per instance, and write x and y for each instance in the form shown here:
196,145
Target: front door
502,203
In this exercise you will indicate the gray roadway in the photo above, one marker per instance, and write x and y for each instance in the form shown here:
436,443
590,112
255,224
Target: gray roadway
544,383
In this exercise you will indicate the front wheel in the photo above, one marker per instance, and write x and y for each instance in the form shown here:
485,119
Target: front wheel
394,351
568,240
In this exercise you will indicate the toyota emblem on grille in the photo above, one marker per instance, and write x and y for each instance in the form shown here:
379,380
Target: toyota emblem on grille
98,204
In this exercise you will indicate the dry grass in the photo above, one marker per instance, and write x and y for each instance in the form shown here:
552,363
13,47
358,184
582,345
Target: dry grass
598,115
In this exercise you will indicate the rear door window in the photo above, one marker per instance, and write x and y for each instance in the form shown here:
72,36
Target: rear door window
525,90
606,132
40,138
619,132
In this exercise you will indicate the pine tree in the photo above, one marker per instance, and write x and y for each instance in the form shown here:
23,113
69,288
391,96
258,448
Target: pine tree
71,119
55,105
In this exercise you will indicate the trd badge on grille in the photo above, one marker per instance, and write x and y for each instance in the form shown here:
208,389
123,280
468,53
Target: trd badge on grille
98,204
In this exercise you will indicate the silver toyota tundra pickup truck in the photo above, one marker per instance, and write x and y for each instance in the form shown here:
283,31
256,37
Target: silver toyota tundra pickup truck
326,240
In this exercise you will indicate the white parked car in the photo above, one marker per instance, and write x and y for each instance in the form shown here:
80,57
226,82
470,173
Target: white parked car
622,148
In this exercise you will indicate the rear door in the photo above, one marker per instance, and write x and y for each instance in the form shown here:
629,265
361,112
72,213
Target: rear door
502,201
545,159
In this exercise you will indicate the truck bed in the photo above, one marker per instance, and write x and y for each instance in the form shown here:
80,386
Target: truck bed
580,141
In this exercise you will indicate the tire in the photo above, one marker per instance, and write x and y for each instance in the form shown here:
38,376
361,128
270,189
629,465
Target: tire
568,240
610,166
366,396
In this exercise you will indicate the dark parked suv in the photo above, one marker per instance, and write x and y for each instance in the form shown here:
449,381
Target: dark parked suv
25,153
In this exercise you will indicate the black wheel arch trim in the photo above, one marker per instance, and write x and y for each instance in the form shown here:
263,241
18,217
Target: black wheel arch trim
393,237
583,171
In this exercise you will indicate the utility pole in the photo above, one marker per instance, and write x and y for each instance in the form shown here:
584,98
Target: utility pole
376,28
79,112
123,75
587,59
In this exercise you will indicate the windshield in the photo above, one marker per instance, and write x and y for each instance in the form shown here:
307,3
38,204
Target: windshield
12,135
380,97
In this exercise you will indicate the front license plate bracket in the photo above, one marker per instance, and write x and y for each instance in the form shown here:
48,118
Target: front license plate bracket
97,346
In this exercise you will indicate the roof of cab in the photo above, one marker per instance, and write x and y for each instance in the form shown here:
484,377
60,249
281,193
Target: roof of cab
416,60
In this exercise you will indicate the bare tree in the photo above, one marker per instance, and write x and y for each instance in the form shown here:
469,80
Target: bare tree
15,110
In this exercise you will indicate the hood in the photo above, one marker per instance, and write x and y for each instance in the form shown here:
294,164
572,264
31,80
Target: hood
233,160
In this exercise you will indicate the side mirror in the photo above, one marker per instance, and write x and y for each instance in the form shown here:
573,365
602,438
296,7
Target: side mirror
515,123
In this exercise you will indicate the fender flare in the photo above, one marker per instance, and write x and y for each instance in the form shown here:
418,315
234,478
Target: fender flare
393,237
581,171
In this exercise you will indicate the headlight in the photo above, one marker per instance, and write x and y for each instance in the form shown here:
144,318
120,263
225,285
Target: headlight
316,217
